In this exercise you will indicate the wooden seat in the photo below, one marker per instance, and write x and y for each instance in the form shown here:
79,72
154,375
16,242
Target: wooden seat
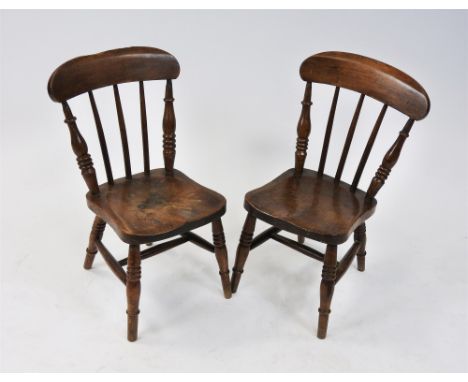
146,207
311,205
155,207
315,205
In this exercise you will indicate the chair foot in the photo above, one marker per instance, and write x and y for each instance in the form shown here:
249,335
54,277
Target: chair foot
323,323
226,284
132,327
89,259
221,256
96,234
133,291
361,261
327,287
243,250
236,276
300,239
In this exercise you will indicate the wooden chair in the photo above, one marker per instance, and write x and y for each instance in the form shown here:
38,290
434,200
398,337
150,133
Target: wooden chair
324,208
146,207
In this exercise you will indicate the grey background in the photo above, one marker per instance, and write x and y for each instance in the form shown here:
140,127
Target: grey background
237,105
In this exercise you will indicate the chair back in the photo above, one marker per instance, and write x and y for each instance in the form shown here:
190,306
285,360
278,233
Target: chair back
370,78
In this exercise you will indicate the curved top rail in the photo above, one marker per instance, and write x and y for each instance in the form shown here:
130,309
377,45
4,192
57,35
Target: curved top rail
86,73
368,76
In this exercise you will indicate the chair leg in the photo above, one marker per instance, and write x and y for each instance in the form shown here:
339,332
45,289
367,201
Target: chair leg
221,256
133,291
360,236
96,234
300,239
243,251
326,289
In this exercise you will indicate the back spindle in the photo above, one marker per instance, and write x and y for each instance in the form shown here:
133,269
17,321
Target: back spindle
169,126
367,150
144,129
349,139
389,161
102,139
303,130
326,139
123,133
80,148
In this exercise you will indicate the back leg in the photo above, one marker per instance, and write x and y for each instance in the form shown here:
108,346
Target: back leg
96,235
300,239
360,236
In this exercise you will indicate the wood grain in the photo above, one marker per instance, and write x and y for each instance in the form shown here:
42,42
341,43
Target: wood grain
368,76
116,66
153,207
312,206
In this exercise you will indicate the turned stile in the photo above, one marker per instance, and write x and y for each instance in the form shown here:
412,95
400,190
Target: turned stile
123,133
102,138
390,159
349,139
169,126
133,291
326,139
80,148
303,130
144,129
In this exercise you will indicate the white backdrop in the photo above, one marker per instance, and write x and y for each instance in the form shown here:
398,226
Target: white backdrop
237,105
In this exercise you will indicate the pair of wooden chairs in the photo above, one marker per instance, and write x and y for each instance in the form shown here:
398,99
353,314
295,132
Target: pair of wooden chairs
164,203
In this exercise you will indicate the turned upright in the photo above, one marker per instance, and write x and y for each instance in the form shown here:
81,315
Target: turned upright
146,207
314,205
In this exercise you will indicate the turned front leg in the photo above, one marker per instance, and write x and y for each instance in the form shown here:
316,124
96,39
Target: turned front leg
96,235
133,291
360,236
221,256
243,250
327,287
